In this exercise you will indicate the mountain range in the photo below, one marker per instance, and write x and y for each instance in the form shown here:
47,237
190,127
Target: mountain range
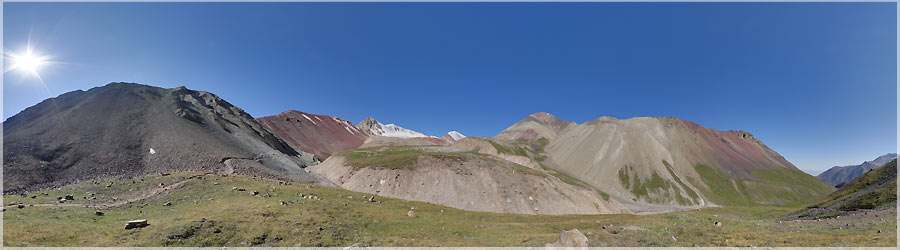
837,175
539,165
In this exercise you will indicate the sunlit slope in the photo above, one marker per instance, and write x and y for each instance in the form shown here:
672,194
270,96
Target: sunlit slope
668,161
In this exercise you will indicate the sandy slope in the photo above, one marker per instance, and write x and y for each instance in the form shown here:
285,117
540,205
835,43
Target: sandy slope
470,181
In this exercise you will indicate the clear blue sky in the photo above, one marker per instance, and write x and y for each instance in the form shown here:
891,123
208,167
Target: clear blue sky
817,82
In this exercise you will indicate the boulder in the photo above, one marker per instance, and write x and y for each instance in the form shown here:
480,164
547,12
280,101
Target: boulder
571,238
411,213
136,224
70,197
98,213
718,224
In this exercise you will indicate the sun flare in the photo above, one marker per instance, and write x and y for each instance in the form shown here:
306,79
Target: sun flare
27,62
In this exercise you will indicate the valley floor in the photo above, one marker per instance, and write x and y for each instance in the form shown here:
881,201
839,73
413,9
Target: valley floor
193,209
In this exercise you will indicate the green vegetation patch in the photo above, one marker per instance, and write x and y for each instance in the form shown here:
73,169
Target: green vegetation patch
207,212
542,143
394,157
518,150
721,187
776,186
624,177
882,196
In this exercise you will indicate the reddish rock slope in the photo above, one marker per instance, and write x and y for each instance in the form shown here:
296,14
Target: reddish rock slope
321,135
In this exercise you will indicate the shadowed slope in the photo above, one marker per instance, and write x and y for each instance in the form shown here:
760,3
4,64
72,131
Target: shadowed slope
126,129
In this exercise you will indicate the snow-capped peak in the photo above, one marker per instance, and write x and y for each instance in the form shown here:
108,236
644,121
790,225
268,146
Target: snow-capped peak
390,130
393,130
456,136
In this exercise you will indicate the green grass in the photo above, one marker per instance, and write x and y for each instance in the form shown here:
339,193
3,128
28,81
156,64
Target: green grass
721,187
394,157
517,150
542,143
237,219
624,177
777,186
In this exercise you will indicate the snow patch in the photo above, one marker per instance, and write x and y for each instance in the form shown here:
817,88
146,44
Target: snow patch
307,117
393,130
152,151
348,130
456,135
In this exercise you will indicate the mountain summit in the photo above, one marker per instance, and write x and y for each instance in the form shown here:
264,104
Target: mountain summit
837,175
127,129
374,127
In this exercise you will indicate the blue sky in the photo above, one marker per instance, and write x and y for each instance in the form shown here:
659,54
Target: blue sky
817,82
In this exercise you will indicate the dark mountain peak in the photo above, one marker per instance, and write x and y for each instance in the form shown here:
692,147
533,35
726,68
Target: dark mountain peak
109,131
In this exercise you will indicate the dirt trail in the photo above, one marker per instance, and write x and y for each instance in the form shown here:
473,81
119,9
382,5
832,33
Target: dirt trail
136,197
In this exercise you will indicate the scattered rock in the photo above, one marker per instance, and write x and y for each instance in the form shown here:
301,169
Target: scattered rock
283,203
20,206
372,199
571,238
136,224
34,196
411,213
718,224
254,192
167,204
98,213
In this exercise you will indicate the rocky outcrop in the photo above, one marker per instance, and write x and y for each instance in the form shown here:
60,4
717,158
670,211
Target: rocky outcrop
570,239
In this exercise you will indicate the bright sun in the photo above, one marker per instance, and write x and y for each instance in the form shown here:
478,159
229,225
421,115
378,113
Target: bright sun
27,62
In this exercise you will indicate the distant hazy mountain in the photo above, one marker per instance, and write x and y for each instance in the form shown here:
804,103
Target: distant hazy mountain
872,189
837,175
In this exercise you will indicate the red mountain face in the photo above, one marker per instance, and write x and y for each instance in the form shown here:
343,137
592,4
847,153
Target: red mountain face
321,135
